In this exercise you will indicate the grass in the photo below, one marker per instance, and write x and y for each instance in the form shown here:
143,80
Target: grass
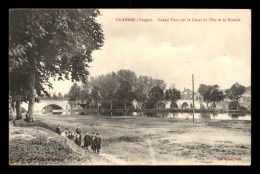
37,144
145,140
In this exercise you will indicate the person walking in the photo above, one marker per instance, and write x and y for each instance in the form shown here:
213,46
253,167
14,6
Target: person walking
93,144
57,130
78,130
78,139
98,143
87,140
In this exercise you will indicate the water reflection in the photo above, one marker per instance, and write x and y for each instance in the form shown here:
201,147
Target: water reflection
209,116
202,116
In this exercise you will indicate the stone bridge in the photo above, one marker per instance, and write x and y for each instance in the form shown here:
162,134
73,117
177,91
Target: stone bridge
56,105
180,104
186,104
63,106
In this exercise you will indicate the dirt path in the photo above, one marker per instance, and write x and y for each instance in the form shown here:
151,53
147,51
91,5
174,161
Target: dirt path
152,152
113,159
151,149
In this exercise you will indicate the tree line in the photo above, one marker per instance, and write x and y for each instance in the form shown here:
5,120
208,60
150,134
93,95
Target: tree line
212,94
119,90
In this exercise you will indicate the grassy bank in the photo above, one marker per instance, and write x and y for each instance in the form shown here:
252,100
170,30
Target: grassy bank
37,144
150,140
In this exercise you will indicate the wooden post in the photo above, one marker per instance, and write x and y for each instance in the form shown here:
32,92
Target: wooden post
193,98
111,108
98,109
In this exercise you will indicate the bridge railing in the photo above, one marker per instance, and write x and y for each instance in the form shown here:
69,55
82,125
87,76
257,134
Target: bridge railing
144,110
180,110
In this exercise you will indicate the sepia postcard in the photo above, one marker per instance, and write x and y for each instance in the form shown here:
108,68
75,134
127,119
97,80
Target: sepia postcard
129,87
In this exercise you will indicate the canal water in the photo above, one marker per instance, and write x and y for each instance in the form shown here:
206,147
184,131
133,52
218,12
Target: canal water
202,116
210,116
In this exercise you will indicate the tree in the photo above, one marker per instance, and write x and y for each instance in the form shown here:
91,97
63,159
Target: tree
172,94
235,92
54,96
155,96
53,43
207,97
108,88
206,92
217,96
65,97
202,89
60,96
144,85
95,95
18,87
125,93
85,97
85,93
142,89
74,93
126,75
140,97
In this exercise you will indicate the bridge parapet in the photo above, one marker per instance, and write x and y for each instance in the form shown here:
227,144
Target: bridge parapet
63,104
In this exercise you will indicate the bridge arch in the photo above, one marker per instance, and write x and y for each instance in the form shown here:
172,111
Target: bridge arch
184,105
50,107
161,105
23,110
173,105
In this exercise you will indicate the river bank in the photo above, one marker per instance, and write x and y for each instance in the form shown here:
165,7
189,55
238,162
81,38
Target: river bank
129,140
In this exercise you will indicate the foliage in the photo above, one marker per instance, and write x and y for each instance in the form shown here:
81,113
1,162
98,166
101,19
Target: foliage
126,75
235,92
217,96
109,88
60,96
17,85
74,93
233,105
203,89
125,93
211,93
95,94
172,94
52,43
143,86
60,41
155,96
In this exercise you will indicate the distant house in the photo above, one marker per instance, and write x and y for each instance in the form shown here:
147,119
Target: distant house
186,94
246,97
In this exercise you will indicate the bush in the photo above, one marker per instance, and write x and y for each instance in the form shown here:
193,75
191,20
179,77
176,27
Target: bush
243,108
38,150
233,106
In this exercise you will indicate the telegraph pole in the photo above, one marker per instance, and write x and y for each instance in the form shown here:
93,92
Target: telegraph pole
193,98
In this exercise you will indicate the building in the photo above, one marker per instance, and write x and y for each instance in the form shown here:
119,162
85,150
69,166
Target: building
246,97
186,94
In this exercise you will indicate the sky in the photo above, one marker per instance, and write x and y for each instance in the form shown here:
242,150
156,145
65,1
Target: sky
216,52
